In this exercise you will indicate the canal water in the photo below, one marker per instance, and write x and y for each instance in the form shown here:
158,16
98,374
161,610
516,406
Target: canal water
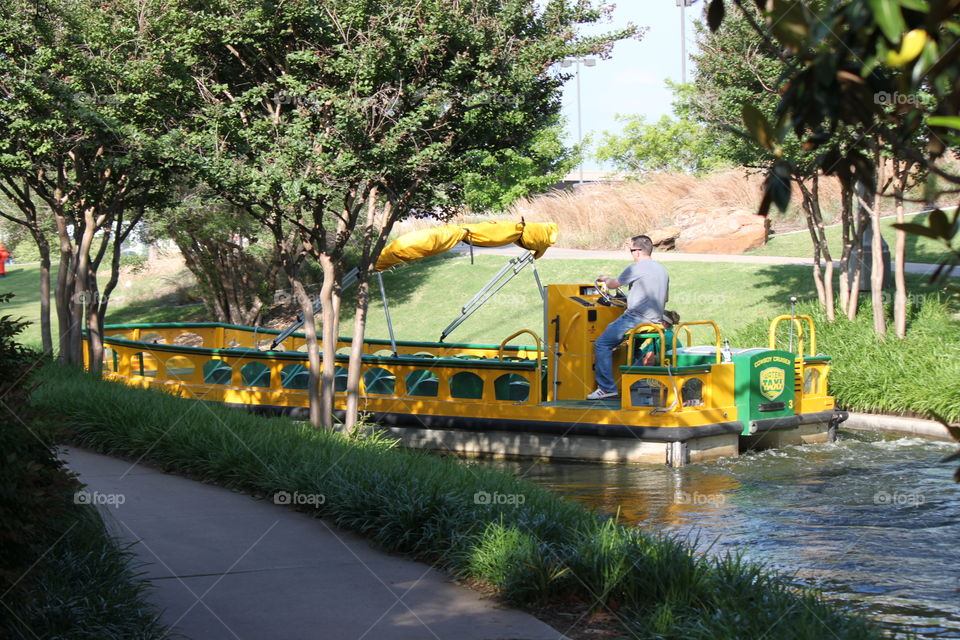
872,521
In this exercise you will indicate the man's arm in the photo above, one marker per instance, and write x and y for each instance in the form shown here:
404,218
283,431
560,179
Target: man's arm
609,283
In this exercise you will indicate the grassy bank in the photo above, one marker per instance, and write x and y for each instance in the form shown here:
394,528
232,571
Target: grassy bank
61,574
155,293
917,375
528,543
918,248
425,296
85,586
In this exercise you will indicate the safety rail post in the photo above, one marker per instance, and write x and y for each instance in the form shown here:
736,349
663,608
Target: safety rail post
537,382
686,326
799,326
647,327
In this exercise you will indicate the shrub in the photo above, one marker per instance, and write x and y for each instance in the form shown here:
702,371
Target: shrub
919,374
61,575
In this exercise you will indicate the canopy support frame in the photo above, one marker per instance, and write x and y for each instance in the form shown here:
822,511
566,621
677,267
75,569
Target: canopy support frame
348,281
510,271
386,311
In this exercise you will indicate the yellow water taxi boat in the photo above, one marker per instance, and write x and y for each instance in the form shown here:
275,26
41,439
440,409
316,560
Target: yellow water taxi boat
689,403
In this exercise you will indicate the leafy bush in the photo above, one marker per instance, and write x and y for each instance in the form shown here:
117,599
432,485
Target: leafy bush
533,548
917,375
61,575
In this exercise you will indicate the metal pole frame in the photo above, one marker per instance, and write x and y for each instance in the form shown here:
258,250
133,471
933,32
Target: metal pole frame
348,281
386,311
516,265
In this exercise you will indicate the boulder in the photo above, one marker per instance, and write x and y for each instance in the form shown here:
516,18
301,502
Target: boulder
664,239
733,233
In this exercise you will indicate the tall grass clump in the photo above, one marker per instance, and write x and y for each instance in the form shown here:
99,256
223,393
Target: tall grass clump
61,574
532,546
918,375
86,587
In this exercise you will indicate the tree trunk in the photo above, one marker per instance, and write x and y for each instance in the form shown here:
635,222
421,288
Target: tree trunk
45,334
369,246
66,301
877,266
356,353
807,205
821,233
902,171
313,351
863,219
846,220
329,315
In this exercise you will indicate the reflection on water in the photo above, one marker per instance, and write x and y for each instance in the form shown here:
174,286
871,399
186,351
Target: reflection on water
873,522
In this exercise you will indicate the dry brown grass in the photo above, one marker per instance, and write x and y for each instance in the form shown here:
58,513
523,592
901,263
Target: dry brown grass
599,216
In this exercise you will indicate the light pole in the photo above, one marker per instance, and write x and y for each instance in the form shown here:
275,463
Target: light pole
683,4
587,62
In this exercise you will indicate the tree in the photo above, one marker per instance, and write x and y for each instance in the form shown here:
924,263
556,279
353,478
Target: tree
738,77
497,180
734,65
820,144
863,64
234,260
669,144
33,216
337,119
88,97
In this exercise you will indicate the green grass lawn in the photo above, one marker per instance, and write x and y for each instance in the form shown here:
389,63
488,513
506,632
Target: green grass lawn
425,297
799,245
135,299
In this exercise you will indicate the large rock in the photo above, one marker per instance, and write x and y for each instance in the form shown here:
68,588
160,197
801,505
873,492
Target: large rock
732,233
665,238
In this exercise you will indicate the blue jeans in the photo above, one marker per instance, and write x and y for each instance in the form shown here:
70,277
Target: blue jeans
604,346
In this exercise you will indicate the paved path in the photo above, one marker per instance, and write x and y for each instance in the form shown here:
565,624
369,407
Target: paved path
225,565
670,256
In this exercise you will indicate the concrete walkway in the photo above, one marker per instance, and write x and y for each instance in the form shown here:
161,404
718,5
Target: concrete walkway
225,565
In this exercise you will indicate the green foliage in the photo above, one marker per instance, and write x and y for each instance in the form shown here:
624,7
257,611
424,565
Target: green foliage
734,66
536,549
498,179
87,588
61,575
90,95
670,144
426,97
917,375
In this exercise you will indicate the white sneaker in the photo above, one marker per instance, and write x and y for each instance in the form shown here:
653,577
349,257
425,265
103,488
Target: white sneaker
600,394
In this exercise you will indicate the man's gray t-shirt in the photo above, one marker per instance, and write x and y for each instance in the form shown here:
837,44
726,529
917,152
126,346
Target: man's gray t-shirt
649,289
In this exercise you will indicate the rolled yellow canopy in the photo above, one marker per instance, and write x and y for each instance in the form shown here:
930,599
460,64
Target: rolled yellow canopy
534,236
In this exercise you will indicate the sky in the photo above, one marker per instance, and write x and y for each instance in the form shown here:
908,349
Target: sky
632,81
